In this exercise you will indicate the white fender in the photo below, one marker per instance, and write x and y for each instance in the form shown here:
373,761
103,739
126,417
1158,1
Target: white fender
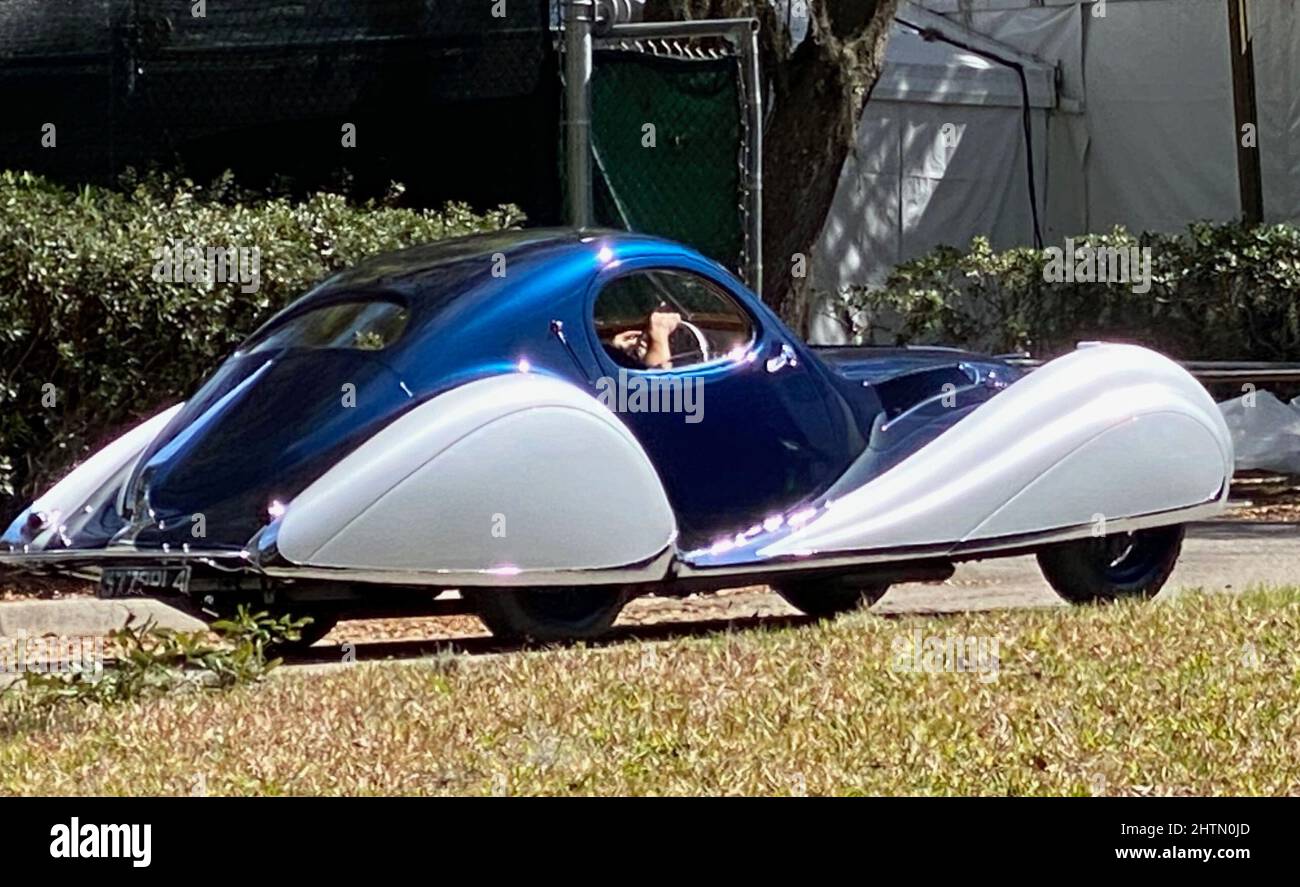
84,481
1114,431
507,476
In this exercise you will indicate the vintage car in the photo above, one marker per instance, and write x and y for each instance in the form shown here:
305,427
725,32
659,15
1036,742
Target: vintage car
478,425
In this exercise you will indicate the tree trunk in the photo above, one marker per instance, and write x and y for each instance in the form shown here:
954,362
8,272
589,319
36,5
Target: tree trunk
815,96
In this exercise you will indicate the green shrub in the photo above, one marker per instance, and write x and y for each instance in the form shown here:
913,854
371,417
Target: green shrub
146,659
86,326
1218,292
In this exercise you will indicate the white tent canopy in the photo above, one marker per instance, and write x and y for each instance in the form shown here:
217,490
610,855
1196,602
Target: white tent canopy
1141,130
940,152
932,70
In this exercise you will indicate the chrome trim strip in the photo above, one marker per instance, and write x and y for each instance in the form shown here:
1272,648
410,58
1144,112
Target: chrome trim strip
653,570
971,550
92,556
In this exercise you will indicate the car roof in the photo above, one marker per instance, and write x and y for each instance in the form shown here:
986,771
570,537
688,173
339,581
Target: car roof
390,270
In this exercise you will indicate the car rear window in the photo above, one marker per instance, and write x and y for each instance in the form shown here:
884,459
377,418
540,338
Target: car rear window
365,325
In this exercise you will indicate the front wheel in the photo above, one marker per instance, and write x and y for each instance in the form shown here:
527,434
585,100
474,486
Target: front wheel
547,614
1107,568
322,623
319,621
827,597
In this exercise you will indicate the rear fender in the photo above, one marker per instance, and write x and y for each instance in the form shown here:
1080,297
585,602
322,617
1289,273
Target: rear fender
511,478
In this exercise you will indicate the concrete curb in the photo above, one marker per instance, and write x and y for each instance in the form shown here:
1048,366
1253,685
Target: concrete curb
86,617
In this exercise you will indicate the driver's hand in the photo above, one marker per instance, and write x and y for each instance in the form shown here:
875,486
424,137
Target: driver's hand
631,343
661,324
658,327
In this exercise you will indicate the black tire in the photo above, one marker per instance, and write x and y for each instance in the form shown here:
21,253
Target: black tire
547,614
828,597
323,620
322,623
1107,568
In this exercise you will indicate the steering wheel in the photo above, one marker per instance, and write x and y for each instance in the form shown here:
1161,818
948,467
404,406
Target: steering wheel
696,339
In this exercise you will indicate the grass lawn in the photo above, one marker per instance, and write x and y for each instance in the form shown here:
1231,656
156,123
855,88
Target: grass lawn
1194,694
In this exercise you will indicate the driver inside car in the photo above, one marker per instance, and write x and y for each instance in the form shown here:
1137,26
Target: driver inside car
648,347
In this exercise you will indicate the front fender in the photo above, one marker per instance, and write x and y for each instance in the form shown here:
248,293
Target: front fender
95,480
1111,431
505,478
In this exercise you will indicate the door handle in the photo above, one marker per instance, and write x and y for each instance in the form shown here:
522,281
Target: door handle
786,358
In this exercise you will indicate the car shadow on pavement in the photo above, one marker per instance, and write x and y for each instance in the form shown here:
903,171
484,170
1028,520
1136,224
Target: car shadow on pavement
327,653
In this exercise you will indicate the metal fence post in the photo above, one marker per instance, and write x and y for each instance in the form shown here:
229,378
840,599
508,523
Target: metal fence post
754,156
579,23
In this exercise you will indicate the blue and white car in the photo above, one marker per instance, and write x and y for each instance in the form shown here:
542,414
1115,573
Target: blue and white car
479,415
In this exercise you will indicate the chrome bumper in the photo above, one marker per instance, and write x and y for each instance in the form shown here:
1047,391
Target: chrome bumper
90,560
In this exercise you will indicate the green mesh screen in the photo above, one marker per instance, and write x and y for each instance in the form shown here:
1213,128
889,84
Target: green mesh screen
687,187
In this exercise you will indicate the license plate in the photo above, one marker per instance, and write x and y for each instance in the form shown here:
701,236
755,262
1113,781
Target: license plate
117,582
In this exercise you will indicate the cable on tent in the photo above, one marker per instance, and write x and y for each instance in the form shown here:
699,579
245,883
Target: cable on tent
932,34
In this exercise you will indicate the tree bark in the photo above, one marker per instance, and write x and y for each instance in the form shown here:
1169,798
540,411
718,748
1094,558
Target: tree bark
815,96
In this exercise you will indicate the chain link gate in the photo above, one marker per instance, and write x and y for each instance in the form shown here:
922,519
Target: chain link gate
669,129
446,97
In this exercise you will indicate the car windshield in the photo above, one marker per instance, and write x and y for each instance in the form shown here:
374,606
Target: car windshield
366,325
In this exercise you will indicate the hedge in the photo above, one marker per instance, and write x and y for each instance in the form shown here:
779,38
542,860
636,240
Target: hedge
1218,292
91,341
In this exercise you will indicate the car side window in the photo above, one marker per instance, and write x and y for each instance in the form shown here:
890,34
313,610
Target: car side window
669,320
364,324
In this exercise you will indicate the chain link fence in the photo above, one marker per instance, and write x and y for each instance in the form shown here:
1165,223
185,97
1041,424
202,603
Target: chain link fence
454,99
663,129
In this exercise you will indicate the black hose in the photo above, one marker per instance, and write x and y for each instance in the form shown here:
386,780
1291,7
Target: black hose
1027,123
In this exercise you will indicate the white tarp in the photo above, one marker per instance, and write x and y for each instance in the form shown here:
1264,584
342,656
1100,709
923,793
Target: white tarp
1265,432
1159,97
1158,103
940,154
1152,146
923,70
1275,27
1054,34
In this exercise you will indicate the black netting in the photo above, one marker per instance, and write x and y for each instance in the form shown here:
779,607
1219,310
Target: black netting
447,97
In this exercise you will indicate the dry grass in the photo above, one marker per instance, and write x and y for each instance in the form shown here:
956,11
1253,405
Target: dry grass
1198,694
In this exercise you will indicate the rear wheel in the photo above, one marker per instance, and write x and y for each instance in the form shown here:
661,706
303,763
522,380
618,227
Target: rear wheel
547,614
1107,568
827,597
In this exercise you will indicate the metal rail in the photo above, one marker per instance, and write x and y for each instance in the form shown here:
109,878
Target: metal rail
1243,371
1207,371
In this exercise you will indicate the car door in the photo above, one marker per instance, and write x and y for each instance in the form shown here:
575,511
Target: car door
751,434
